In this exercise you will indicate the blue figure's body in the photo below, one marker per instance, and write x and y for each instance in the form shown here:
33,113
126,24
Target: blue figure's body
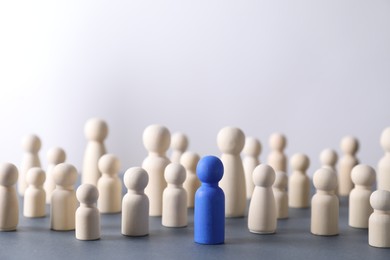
209,212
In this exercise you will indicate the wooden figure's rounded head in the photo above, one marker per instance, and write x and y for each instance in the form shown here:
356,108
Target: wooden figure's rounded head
325,179
136,178
64,174
175,173
96,129
380,200
179,141
349,145
209,169
189,160
31,143
252,147
281,180
328,157
263,175
385,139
35,176
300,162
8,174
56,155
156,138
277,141
231,140
109,164
363,175
87,194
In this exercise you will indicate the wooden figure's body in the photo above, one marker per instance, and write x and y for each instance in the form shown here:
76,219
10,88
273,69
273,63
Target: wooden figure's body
31,145
54,156
34,205
262,208
189,160
96,131
277,159
63,200
363,176
383,180
299,182
135,204
87,216
252,150
280,193
109,185
349,146
324,204
9,204
379,221
209,210
179,144
230,142
174,212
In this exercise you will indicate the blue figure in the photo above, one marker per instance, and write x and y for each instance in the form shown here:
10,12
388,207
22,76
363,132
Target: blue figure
209,209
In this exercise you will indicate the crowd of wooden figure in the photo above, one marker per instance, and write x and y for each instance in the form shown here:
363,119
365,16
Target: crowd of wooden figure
216,187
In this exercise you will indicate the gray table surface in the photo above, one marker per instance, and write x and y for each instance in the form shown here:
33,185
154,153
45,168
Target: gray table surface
293,240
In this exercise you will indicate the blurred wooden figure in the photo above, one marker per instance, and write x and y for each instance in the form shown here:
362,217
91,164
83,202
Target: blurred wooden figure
96,131
383,180
109,185
277,159
299,182
9,204
34,205
363,176
55,156
379,221
179,144
280,193
31,145
230,141
328,159
156,139
251,151
349,145
189,160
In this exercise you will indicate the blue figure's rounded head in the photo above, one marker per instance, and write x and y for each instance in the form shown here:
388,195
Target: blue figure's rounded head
209,169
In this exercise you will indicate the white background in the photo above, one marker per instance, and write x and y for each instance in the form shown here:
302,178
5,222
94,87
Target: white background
314,70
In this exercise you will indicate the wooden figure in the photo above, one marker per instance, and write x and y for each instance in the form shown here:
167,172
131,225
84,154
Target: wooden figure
277,159
379,221
179,144
135,204
280,193
262,208
299,182
189,160
252,150
9,204
109,185
31,145
63,199
328,159
363,176
34,205
174,213
324,204
55,156
156,139
87,215
349,146
209,210
383,180
96,131
230,142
